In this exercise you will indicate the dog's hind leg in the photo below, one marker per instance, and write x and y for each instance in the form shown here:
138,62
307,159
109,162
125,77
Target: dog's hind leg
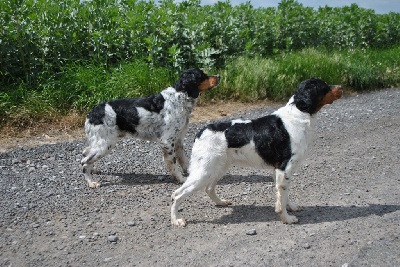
282,186
215,177
204,174
210,190
86,152
178,196
98,148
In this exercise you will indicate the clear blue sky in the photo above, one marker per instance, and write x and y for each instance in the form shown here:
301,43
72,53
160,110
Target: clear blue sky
380,6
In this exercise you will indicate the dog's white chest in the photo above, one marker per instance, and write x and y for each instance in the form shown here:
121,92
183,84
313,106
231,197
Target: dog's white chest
299,125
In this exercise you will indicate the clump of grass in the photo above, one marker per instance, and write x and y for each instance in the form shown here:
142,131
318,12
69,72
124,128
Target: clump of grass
372,69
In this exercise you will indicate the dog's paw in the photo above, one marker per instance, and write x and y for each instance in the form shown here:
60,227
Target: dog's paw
289,219
224,203
293,207
179,178
86,151
93,184
179,222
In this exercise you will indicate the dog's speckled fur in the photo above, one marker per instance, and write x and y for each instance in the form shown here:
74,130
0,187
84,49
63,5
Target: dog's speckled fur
163,117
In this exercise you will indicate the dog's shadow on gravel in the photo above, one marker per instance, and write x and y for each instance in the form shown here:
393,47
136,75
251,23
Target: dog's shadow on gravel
308,215
140,179
317,214
248,179
137,179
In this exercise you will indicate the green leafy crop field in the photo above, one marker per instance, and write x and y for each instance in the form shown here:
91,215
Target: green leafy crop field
58,57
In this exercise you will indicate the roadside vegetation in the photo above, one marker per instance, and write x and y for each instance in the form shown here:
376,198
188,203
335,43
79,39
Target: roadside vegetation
63,57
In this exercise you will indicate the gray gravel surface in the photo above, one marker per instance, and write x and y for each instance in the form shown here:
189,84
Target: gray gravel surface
349,188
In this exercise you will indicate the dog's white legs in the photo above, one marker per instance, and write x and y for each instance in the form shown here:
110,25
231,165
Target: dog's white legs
178,196
181,156
169,157
98,148
210,190
204,174
215,176
86,151
87,168
282,186
292,206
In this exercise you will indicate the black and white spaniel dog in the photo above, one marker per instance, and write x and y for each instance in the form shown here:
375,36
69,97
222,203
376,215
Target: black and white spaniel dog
163,117
279,140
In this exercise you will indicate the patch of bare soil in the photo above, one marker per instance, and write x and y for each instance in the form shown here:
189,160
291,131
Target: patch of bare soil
70,128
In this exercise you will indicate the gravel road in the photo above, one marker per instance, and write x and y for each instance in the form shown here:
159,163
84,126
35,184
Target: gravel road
349,188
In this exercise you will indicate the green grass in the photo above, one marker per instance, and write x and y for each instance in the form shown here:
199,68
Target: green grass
78,87
248,79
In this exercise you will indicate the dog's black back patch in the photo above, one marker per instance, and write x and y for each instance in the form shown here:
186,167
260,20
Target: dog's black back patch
239,134
215,127
127,113
272,141
154,103
270,137
127,117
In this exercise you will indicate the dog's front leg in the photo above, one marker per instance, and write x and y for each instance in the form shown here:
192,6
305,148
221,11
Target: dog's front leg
169,157
282,186
181,156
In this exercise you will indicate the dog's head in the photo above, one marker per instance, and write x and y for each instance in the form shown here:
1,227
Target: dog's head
194,81
312,94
